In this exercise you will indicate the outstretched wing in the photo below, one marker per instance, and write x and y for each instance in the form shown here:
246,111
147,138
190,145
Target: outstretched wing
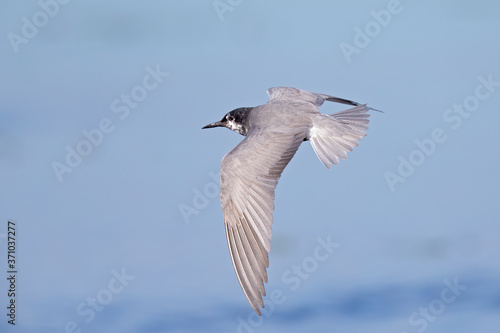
294,94
249,175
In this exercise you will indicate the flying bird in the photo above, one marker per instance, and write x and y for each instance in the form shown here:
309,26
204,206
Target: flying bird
250,172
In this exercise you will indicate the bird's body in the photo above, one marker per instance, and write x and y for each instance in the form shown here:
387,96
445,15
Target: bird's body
250,172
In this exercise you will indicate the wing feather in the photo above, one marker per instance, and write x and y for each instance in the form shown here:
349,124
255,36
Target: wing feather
249,175
294,94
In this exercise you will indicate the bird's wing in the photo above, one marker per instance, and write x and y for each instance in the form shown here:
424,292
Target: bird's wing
332,136
249,175
291,94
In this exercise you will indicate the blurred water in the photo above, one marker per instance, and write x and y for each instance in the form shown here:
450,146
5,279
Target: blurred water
467,305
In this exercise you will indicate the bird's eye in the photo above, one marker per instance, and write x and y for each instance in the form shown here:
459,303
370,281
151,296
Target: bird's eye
229,118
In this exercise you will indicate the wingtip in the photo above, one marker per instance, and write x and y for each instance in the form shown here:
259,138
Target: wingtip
373,109
367,107
256,308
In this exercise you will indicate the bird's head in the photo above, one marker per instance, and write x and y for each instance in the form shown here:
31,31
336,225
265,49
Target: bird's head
235,120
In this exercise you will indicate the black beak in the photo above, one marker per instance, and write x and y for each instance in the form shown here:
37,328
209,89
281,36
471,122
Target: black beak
216,124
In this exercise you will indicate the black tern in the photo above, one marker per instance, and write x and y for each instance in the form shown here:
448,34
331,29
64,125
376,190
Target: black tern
250,172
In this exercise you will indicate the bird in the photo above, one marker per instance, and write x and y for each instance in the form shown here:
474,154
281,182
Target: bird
250,171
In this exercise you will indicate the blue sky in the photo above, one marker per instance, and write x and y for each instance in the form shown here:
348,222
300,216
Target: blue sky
102,241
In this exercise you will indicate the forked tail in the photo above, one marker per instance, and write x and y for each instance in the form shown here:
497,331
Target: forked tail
332,136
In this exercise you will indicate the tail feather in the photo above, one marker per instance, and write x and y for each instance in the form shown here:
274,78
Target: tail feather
332,136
